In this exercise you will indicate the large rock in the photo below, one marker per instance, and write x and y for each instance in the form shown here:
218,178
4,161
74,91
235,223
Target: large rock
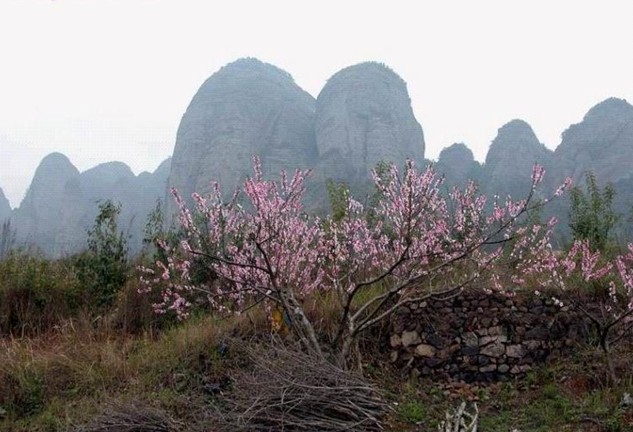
510,159
364,117
137,195
458,165
623,205
97,182
246,108
61,204
602,143
51,211
5,208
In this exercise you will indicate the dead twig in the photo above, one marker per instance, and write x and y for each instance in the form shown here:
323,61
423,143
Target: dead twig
291,390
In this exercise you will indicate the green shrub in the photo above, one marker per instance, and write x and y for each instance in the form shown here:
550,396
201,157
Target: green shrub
103,267
338,194
25,395
412,412
591,216
36,294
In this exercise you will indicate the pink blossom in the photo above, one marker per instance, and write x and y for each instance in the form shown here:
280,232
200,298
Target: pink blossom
416,240
538,172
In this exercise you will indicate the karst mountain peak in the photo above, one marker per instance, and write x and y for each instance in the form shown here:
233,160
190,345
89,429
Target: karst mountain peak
361,117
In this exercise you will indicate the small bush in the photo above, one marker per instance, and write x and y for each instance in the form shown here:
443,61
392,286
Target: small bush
36,294
591,216
412,411
23,392
133,311
103,268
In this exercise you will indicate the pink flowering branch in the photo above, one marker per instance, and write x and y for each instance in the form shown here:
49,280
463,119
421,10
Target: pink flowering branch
440,250
266,250
571,274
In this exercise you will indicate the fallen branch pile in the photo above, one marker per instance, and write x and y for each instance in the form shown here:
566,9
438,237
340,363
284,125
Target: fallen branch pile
293,391
132,417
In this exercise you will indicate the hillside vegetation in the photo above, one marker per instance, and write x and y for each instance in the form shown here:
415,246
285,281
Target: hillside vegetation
267,319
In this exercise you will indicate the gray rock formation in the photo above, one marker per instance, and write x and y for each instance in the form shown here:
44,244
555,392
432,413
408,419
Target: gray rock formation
97,182
61,204
246,108
52,209
364,117
602,143
510,159
5,208
458,165
623,205
138,196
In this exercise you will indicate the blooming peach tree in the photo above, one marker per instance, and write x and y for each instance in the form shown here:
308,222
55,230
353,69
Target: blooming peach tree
263,249
599,287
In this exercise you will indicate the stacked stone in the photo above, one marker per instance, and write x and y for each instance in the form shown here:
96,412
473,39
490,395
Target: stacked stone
479,337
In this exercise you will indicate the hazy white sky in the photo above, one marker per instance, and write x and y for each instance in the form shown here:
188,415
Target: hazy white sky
103,80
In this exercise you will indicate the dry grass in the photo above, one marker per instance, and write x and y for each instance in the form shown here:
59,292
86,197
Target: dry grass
88,370
65,375
68,373
70,363
51,383
36,294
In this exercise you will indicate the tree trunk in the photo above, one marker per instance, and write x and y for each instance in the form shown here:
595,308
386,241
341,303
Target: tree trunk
300,323
606,349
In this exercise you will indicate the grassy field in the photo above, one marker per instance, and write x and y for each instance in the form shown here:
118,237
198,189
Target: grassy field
65,363
72,374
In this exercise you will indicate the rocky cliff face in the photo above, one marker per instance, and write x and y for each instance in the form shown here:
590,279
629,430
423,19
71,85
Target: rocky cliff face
97,182
61,203
510,159
623,205
246,108
602,142
363,117
5,208
138,196
52,208
458,165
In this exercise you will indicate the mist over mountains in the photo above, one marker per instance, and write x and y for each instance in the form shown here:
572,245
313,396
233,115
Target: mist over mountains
62,203
361,117
5,208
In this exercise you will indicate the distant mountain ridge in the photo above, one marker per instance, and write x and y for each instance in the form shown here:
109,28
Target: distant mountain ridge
511,156
62,203
601,142
5,207
458,165
362,116
247,108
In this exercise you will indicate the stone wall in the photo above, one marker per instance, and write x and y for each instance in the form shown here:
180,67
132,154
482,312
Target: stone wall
480,337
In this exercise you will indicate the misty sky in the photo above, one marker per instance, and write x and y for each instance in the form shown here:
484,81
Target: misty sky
103,80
